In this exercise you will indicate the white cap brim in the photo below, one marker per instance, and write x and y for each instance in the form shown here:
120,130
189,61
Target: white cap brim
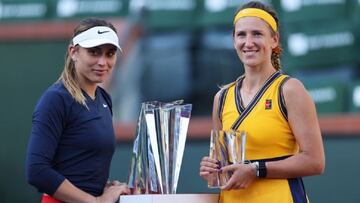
97,36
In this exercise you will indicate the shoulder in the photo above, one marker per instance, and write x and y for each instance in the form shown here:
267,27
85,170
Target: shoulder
218,93
104,94
55,97
56,92
225,88
295,94
232,84
293,86
221,93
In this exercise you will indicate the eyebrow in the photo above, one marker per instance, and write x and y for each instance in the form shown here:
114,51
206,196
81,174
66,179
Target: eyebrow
97,48
251,31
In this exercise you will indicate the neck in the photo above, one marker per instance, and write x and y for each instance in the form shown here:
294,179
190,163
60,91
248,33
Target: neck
90,89
86,85
255,78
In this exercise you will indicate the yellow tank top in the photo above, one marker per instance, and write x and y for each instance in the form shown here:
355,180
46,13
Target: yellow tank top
268,135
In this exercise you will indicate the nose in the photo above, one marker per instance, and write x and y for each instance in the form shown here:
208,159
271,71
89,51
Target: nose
249,41
102,60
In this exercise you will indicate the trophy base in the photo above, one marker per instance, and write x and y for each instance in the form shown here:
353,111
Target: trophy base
214,187
173,198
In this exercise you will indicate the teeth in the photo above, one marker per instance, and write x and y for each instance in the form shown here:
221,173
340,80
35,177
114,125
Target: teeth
246,51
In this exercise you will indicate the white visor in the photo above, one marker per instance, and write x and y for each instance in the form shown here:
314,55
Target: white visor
97,36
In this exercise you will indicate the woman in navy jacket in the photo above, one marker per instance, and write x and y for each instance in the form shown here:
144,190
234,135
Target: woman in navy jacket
72,138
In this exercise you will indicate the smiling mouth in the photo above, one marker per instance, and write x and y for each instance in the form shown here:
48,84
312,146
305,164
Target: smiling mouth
100,71
250,51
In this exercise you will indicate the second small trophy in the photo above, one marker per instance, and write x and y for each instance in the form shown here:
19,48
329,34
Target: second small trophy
228,147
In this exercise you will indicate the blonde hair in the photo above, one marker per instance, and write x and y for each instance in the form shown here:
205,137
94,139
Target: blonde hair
69,76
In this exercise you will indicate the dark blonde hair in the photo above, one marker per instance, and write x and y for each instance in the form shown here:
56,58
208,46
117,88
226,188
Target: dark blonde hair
68,76
275,55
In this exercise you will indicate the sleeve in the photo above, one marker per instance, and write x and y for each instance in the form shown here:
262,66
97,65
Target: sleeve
47,126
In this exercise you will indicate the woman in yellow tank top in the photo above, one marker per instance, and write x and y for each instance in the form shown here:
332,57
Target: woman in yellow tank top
283,136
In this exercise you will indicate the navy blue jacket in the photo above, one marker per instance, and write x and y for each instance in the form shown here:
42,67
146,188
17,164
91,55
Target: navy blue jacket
69,141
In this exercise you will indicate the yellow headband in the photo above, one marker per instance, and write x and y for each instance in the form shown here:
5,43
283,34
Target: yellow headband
255,12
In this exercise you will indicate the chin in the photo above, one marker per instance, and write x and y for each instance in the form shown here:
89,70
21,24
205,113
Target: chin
97,81
251,64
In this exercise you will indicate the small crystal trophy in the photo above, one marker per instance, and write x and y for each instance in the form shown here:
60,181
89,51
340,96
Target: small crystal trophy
228,147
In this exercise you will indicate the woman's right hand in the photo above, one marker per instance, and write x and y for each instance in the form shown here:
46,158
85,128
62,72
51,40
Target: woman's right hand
208,166
112,193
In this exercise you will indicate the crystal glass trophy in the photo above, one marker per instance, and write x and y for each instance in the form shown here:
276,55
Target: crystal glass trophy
228,147
159,147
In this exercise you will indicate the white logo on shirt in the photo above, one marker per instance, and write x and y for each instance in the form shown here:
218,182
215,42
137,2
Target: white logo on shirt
104,105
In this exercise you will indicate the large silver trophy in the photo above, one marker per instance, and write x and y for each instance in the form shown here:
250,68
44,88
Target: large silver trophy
159,147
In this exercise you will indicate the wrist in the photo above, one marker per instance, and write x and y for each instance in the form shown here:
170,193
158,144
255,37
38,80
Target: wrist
255,167
261,170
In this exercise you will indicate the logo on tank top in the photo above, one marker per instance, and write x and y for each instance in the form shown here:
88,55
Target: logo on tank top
268,104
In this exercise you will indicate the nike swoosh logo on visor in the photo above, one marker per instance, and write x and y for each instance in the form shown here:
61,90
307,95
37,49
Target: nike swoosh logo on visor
102,32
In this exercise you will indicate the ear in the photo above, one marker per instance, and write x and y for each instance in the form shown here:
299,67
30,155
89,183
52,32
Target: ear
275,40
72,50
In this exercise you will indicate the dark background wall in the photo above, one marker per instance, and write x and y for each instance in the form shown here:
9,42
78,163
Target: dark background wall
27,70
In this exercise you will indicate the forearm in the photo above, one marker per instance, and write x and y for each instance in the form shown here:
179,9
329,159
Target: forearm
67,192
299,165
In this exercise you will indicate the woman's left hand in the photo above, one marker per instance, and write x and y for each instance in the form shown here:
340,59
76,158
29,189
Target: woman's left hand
243,175
123,186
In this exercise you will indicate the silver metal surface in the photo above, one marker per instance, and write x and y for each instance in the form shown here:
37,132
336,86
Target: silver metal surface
159,147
